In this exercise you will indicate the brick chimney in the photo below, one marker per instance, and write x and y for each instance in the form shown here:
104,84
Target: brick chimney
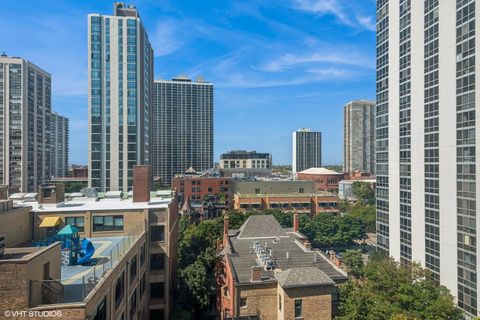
226,220
295,222
51,193
255,273
142,183
3,192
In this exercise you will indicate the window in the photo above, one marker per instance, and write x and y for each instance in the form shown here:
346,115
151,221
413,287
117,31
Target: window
107,223
78,222
225,292
210,189
133,304
157,261
142,256
301,190
142,286
157,233
157,314
157,290
243,302
298,308
280,302
257,190
101,313
133,268
119,286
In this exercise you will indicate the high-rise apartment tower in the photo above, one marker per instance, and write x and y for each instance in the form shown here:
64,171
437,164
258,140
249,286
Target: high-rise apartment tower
426,139
307,150
120,76
25,105
59,135
182,127
359,136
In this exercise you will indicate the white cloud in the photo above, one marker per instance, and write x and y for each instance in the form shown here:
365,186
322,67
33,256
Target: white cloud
342,10
368,22
167,37
289,61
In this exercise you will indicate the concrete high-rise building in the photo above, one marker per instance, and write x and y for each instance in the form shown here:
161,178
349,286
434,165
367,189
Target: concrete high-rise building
25,105
59,135
426,142
359,136
307,150
120,76
182,127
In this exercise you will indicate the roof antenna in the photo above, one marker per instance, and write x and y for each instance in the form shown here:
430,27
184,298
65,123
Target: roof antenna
4,54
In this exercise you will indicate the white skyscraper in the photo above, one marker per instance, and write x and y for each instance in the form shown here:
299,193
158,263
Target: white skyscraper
120,69
426,139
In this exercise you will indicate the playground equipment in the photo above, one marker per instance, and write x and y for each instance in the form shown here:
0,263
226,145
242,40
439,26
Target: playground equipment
74,250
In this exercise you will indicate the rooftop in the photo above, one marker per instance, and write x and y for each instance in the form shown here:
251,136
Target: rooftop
303,277
93,204
285,251
323,171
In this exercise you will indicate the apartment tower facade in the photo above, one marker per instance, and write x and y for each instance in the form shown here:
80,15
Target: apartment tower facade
426,140
59,136
359,136
25,106
182,127
307,150
120,76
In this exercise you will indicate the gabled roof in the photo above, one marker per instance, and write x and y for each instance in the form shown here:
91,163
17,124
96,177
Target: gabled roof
261,226
319,171
303,277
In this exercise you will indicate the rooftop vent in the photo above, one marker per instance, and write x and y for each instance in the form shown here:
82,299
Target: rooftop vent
114,194
90,192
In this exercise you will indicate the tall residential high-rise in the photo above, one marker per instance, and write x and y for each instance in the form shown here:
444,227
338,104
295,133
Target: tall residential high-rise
359,136
182,127
307,150
120,76
59,135
426,141
25,105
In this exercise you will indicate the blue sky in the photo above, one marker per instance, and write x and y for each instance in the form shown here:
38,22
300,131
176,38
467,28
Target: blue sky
277,65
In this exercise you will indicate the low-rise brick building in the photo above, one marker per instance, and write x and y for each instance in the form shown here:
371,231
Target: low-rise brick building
324,179
298,196
268,272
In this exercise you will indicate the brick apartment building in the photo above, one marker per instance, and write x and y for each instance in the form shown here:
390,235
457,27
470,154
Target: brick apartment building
268,272
325,179
298,196
132,273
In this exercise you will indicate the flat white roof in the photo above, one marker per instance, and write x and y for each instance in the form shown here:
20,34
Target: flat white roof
320,171
85,204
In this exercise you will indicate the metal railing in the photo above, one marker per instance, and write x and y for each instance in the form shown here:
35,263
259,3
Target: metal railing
77,288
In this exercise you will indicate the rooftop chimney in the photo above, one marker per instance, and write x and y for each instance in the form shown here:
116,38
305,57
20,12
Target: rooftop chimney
51,193
142,183
256,273
295,222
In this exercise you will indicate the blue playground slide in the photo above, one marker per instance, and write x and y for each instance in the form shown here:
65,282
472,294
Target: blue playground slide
86,253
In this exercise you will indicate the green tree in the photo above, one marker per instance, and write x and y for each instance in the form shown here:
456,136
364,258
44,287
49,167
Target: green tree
363,192
366,213
353,260
75,186
387,290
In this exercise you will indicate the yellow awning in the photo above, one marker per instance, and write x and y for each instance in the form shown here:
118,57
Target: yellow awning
49,222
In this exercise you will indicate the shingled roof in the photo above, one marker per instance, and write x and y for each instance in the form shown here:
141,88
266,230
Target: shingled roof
287,252
303,277
261,226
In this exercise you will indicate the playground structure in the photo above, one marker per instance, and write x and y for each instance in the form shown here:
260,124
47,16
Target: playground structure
75,251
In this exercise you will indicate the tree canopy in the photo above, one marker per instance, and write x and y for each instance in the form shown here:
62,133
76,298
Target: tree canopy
363,192
384,289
